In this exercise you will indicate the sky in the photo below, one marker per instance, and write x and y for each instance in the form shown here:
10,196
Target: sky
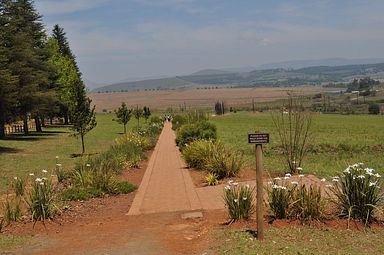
118,39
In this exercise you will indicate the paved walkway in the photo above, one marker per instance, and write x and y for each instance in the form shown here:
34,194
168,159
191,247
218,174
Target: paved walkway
166,186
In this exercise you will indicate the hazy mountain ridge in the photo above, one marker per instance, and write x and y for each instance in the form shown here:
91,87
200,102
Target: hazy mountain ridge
315,75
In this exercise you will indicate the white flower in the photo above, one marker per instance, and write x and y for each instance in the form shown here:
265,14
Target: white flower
270,183
283,187
293,162
41,183
44,178
38,180
227,187
44,171
348,170
235,200
274,186
31,174
361,176
301,175
288,175
277,178
59,165
335,179
372,184
377,175
299,169
15,178
57,157
323,180
328,185
244,198
247,186
294,183
88,165
230,182
235,183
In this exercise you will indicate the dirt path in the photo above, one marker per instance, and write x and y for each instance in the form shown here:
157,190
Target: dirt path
154,224
167,185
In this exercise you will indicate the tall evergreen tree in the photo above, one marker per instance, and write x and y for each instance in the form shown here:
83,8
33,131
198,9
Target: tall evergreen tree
123,115
24,38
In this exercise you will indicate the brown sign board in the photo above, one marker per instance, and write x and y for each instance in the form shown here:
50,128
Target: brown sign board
258,138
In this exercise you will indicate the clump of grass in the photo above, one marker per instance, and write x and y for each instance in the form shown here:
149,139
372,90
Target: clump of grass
358,192
12,210
124,187
212,179
308,203
41,201
196,154
280,198
18,184
238,200
191,132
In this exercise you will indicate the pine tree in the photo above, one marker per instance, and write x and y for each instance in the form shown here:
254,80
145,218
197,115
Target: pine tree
24,39
138,113
146,113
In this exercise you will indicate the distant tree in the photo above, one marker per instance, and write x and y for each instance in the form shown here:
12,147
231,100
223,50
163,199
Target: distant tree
138,113
374,109
146,113
123,115
219,108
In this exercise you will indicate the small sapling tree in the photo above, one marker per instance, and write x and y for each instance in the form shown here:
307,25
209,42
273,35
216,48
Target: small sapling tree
293,126
83,118
138,113
123,115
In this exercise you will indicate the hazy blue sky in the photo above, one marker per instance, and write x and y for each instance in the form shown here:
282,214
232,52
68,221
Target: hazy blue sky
118,39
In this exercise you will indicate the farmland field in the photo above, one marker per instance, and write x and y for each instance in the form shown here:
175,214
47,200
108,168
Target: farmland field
20,155
195,97
339,140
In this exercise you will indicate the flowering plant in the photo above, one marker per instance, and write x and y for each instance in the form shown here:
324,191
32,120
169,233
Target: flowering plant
238,200
357,192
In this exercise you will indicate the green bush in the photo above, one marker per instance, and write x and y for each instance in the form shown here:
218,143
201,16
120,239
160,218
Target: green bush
238,200
196,154
224,161
11,210
358,192
191,132
78,194
178,120
374,109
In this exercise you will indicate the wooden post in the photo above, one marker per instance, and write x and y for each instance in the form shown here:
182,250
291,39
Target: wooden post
259,190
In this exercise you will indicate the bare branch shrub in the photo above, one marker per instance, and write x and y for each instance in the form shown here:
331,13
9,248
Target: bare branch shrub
293,125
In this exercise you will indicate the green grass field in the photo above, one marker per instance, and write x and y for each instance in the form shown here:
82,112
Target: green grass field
20,155
340,140
300,240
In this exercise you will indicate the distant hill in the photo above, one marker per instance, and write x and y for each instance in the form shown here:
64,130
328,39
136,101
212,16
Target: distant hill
276,77
296,64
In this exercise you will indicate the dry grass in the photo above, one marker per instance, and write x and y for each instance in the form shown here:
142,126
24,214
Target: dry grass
195,97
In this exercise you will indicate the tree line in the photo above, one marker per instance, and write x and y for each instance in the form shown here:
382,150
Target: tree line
39,75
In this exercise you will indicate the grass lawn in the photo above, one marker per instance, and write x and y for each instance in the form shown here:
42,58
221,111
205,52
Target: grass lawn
300,240
20,155
340,140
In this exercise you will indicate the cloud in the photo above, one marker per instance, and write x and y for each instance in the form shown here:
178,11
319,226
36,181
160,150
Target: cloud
58,7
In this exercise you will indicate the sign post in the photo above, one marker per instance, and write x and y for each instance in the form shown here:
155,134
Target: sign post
259,139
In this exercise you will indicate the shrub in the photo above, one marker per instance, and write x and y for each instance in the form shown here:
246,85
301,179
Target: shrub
196,154
177,121
142,141
77,194
18,185
190,132
81,175
211,179
62,175
238,200
374,109
307,203
358,193
41,199
280,198
224,161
